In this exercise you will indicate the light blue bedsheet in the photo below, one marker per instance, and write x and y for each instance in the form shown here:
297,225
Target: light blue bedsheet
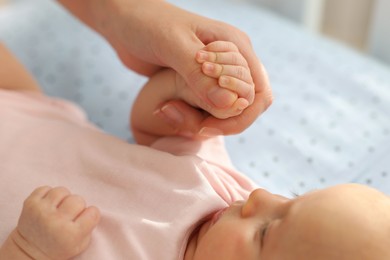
330,121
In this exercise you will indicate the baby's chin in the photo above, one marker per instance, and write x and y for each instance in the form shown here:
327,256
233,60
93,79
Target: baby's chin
196,236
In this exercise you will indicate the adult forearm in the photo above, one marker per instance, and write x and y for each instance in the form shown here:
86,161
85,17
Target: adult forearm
103,15
91,12
121,23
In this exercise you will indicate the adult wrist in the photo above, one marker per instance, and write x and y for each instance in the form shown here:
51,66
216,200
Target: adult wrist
113,17
94,13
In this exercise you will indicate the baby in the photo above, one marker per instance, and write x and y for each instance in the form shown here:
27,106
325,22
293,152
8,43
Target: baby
342,222
179,199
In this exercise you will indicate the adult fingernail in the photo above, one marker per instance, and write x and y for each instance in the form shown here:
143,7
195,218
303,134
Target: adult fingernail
171,113
210,132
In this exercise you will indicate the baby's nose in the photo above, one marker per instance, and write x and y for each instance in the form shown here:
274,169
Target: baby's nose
262,202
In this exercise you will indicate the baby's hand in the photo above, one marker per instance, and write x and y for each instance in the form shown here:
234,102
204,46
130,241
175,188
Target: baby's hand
223,61
55,224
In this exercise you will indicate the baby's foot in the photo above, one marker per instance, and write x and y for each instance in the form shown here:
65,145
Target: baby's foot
223,61
55,224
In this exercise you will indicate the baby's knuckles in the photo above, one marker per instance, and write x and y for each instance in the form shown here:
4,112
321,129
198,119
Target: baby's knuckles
31,219
51,233
66,239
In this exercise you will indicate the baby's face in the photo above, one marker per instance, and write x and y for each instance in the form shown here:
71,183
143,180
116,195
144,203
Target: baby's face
342,222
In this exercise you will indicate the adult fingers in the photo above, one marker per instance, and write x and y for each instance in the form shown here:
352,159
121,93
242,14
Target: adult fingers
188,123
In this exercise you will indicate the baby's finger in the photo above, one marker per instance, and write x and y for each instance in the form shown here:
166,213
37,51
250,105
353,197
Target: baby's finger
238,107
56,195
88,219
72,206
40,192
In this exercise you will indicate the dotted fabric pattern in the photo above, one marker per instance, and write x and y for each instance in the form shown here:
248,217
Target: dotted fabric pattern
329,123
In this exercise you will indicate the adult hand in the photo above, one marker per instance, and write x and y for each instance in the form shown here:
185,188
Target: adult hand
151,34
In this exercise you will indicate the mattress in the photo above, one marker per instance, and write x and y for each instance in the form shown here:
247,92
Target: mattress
329,123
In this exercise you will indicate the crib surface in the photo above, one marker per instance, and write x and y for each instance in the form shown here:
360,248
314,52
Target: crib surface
329,122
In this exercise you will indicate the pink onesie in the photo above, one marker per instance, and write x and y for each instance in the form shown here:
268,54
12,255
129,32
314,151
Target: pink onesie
151,198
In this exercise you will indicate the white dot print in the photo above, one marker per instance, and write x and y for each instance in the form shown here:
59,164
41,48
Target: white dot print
329,122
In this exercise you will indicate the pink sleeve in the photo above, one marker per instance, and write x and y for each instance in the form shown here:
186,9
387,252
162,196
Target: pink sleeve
212,150
226,180
37,104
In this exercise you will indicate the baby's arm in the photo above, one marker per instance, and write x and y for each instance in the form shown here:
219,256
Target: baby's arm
54,224
166,100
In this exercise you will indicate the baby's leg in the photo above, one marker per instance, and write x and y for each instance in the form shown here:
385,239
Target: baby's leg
153,114
223,62
55,224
